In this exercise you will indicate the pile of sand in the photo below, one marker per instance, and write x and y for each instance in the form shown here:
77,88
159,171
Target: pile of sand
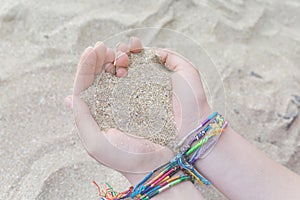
139,104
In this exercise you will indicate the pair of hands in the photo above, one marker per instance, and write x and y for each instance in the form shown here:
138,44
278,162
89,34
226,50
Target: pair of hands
189,105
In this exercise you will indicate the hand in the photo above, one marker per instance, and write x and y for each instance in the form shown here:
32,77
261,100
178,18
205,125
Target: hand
189,100
189,103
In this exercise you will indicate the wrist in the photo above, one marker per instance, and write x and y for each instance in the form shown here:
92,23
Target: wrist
205,111
134,178
173,192
211,163
184,190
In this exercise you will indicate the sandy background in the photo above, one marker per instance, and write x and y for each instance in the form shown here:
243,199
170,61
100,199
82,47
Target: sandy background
254,44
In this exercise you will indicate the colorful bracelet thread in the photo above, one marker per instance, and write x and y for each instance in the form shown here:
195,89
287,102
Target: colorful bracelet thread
204,138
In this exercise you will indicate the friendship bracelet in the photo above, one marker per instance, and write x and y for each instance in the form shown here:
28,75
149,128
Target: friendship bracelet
203,139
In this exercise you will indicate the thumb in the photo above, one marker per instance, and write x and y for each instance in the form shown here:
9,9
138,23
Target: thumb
189,99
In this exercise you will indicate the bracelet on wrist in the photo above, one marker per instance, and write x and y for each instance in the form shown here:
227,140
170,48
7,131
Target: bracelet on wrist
202,140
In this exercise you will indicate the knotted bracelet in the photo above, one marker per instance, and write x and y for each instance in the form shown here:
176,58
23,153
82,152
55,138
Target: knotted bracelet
202,141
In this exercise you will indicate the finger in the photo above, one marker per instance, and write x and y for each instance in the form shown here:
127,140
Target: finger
88,130
174,61
85,71
183,67
122,72
109,61
186,82
100,50
122,63
84,54
135,45
122,47
122,60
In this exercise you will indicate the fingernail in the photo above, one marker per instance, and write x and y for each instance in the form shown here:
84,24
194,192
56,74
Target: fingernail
131,38
123,48
89,47
98,43
121,72
113,71
118,44
119,54
107,67
157,54
160,60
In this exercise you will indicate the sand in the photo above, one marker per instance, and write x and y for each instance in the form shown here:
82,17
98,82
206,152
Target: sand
255,46
139,104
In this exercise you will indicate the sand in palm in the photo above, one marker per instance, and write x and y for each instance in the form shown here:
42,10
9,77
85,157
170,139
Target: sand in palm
139,104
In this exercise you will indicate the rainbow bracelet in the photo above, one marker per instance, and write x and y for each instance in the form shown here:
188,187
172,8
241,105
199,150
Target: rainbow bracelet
202,141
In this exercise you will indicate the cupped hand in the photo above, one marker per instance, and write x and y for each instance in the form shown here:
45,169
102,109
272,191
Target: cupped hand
189,104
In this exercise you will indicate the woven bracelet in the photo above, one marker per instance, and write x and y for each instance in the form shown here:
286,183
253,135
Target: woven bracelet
202,141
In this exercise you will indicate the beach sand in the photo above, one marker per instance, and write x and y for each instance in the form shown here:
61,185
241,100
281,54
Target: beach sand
255,46
139,104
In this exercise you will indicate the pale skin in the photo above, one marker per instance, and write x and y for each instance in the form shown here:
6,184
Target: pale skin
235,167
